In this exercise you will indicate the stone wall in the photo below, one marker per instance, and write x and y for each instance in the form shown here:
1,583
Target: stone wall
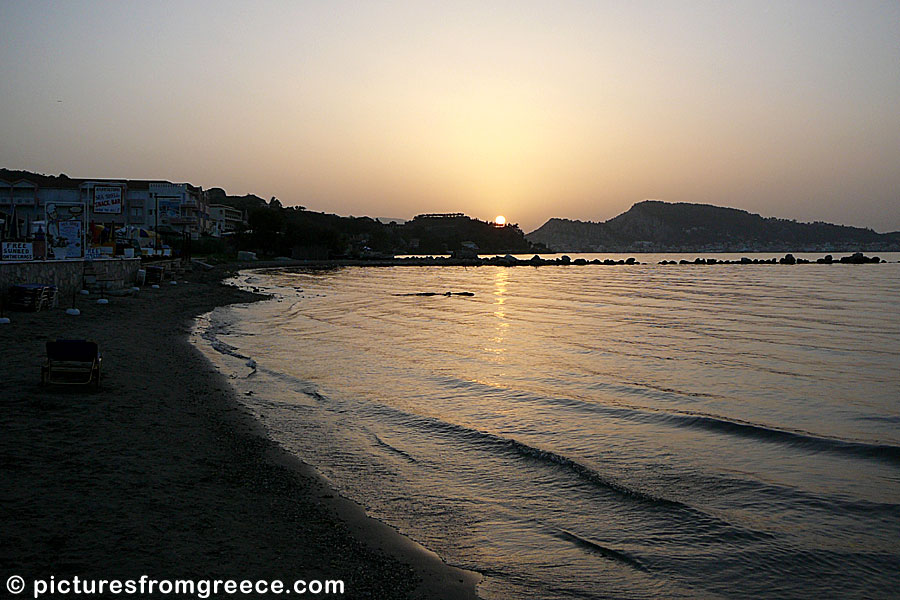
67,275
120,272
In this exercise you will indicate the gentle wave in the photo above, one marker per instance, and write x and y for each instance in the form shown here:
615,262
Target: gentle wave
393,449
684,419
600,549
707,523
883,452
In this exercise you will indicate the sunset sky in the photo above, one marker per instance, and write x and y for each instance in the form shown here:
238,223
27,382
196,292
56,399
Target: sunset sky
528,109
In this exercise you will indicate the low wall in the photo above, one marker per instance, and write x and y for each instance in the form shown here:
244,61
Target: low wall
66,275
120,269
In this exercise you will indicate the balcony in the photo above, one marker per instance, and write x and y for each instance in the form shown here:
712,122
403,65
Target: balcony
17,200
183,221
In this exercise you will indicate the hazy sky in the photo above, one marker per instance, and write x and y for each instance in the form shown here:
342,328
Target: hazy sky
527,109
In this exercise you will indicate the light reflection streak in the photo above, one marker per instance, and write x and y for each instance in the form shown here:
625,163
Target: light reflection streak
501,280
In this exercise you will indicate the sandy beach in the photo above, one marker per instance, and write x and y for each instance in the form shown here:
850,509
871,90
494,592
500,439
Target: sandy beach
163,473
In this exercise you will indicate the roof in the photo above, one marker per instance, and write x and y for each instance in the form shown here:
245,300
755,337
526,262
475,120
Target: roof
11,177
18,183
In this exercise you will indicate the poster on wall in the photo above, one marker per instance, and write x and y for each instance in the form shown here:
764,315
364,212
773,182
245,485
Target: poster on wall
71,232
169,208
108,200
17,251
65,230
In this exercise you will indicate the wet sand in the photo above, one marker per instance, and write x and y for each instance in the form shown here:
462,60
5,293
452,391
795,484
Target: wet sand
163,473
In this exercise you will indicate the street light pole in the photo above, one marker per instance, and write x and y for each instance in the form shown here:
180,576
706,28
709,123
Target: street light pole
156,226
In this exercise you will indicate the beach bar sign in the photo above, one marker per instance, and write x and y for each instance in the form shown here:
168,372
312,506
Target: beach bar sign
108,200
17,251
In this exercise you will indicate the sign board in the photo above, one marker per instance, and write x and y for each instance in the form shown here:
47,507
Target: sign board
71,231
65,229
169,208
18,251
108,200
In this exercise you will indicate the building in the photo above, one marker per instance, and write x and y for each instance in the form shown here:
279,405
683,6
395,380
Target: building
225,219
178,208
140,204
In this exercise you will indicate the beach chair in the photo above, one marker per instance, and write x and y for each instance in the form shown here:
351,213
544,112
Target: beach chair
155,274
72,362
32,296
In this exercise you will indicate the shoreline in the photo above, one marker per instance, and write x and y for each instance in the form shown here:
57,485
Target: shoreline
164,473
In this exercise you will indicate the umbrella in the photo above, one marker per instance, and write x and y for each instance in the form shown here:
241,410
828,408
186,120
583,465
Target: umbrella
14,224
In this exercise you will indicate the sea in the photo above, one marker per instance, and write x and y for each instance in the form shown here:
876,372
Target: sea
637,431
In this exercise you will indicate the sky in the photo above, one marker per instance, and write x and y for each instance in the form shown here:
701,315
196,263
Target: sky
533,110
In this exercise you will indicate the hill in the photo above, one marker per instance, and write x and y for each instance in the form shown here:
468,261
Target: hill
446,233
655,226
300,233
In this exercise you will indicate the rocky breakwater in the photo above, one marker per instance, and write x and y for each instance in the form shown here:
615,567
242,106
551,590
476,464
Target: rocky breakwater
788,259
565,260
510,261
503,261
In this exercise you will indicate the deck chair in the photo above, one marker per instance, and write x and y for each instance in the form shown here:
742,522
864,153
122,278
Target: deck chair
32,296
72,362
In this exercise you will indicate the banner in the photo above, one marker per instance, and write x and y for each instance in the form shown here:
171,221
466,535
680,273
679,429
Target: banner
71,232
17,251
169,208
108,200
65,230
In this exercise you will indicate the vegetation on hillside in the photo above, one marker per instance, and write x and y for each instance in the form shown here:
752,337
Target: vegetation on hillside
276,230
661,226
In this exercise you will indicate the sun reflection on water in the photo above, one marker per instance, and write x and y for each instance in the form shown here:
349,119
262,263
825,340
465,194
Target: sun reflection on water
501,280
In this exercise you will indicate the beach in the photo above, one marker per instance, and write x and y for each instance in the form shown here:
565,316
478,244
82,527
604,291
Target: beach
163,473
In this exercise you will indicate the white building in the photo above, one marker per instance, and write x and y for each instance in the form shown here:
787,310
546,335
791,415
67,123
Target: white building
153,205
226,219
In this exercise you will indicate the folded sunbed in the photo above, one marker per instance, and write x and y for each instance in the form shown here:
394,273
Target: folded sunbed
72,362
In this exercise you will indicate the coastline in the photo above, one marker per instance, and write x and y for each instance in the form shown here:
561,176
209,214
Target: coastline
163,472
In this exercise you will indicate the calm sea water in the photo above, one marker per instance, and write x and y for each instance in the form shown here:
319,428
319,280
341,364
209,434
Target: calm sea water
582,432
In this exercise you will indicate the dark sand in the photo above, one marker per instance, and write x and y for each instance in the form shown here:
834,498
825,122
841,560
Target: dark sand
163,473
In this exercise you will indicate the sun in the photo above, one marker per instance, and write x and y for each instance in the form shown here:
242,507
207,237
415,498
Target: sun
500,220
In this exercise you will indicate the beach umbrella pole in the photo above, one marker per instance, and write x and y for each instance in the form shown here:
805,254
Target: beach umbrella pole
73,310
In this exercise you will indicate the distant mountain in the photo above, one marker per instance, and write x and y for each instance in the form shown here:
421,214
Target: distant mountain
653,225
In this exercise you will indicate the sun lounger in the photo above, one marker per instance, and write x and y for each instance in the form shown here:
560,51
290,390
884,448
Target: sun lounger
155,274
32,296
72,362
